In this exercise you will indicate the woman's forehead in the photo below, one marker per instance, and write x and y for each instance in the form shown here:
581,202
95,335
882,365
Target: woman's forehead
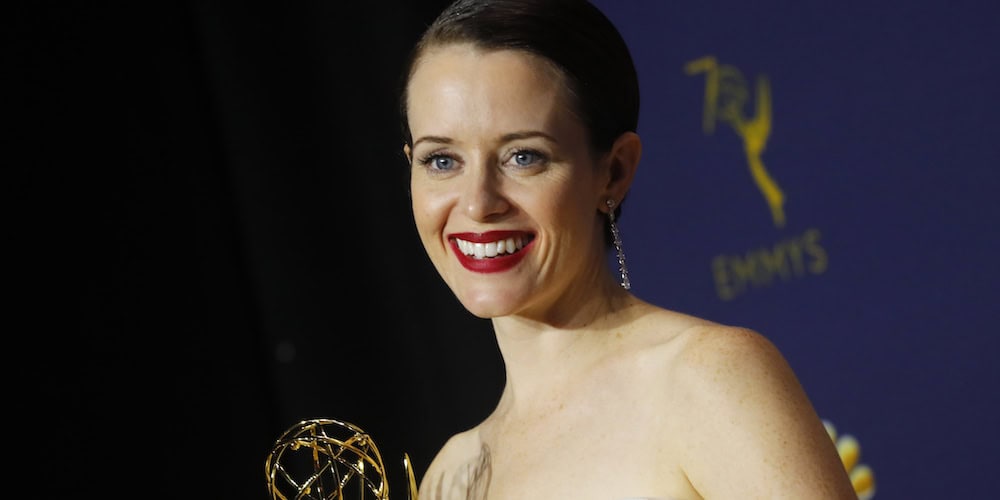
460,85
467,59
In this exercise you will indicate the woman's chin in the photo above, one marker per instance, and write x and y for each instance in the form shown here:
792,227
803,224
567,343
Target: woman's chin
487,305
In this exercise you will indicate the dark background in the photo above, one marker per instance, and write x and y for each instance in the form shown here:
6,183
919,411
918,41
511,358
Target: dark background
213,242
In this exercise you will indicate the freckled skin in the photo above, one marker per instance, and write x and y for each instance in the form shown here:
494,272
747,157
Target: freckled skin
606,396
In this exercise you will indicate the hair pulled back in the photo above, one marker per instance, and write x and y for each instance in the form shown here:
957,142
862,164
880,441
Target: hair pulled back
573,35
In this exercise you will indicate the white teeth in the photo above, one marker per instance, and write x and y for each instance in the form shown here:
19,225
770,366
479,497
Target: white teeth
491,249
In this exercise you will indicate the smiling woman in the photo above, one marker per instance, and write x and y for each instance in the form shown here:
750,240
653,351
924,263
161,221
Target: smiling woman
519,121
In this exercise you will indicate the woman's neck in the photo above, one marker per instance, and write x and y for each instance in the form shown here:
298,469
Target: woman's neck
541,354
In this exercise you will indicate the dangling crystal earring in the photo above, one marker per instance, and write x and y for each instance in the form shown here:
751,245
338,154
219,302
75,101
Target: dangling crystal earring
616,238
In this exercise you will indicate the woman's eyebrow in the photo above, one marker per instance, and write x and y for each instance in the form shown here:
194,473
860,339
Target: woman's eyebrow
528,134
513,136
433,138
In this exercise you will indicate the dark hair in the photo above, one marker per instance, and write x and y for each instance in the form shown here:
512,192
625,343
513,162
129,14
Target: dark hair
573,35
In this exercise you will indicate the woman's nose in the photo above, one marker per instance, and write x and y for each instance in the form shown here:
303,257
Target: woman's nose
482,193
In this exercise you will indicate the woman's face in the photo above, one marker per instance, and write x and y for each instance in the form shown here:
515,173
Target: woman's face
505,191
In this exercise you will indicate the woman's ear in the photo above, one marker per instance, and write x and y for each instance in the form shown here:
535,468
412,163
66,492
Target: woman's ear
406,151
623,160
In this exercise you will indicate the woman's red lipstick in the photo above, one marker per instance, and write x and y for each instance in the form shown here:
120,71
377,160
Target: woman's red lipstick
491,264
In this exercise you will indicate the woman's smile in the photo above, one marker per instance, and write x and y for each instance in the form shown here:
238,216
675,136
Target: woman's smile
491,252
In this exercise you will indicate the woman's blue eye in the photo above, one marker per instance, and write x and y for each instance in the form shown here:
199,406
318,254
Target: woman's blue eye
440,162
525,158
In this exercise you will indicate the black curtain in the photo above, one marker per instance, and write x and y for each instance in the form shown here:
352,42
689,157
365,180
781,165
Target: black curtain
212,241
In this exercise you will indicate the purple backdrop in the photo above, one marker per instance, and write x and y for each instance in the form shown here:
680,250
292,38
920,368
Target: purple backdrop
827,175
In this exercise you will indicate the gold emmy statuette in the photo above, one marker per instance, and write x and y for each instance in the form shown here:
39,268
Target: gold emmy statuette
326,459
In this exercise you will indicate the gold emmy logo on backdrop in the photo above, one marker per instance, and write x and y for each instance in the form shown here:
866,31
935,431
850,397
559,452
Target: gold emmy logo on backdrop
326,459
727,94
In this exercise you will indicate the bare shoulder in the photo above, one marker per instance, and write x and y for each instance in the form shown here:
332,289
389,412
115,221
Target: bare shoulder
705,356
726,370
707,363
747,418
729,354
456,469
733,369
